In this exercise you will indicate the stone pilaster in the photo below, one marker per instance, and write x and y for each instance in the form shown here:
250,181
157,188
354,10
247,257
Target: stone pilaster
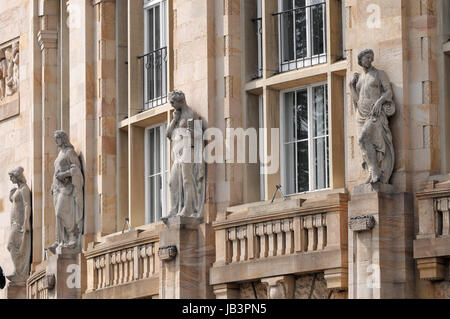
380,244
48,42
106,112
180,259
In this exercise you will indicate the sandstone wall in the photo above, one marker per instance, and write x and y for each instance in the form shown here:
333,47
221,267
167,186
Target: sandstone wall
15,132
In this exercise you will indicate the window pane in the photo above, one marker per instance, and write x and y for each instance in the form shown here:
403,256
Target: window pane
151,191
290,173
318,14
157,149
302,115
150,30
288,36
320,112
157,34
151,140
302,167
321,163
289,118
301,50
287,5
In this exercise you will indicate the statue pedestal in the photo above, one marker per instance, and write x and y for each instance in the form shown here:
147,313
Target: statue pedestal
380,243
65,268
16,291
180,259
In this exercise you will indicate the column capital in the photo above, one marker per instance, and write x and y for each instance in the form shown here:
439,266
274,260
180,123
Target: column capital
48,39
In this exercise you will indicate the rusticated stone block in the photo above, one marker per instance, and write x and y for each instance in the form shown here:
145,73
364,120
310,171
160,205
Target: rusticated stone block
361,223
167,253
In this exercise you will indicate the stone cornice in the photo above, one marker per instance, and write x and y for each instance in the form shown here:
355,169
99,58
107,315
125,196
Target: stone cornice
48,39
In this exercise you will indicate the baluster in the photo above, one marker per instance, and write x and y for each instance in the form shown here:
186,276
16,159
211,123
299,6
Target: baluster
272,239
312,237
124,266
103,271
117,273
320,224
97,272
280,237
130,265
262,239
232,235
443,207
287,227
143,261
242,236
113,267
151,259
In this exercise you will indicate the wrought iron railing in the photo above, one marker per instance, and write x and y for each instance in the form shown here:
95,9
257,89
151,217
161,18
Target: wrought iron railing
154,84
259,39
302,37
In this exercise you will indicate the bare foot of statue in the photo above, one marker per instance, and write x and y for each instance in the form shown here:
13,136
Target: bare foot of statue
184,213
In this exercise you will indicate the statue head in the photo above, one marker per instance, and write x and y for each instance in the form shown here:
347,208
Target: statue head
62,140
177,99
16,175
365,58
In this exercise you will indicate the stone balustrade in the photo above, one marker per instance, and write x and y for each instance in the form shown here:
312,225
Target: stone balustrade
37,283
286,237
432,244
124,265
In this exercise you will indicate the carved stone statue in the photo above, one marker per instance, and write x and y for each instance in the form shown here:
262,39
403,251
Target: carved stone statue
187,179
373,99
12,58
19,243
67,192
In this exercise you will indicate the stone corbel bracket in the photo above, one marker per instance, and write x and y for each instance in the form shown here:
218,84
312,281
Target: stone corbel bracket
49,282
167,253
361,223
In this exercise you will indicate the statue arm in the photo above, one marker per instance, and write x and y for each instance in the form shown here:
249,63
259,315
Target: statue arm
354,90
173,124
26,198
385,99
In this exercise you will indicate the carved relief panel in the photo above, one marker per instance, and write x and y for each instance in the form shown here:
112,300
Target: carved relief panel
9,79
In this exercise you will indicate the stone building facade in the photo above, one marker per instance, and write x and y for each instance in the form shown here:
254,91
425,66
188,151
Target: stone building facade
102,70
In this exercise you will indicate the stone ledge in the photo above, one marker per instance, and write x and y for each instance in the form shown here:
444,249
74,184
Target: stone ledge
277,266
136,289
432,247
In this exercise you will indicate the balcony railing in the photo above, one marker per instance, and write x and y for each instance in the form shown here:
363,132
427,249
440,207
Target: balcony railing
302,37
123,260
303,236
154,85
259,38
